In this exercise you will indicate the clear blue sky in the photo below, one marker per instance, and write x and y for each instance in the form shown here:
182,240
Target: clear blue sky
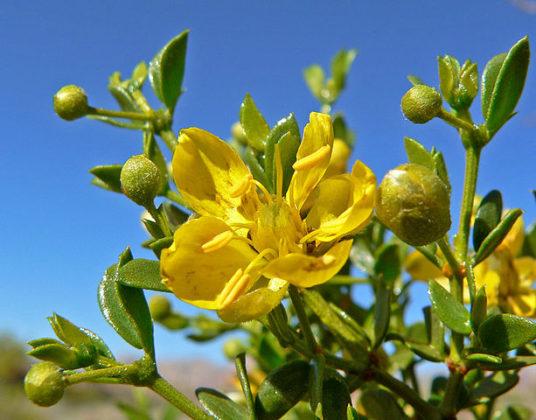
59,233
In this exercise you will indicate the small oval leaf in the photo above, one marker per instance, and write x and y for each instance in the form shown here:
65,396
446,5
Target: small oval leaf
335,396
253,123
219,405
488,216
142,274
506,332
380,405
451,312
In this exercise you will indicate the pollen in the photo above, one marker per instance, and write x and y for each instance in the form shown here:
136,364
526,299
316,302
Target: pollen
242,187
312,160
217,242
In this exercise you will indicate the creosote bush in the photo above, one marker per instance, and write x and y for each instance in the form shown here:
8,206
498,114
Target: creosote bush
275,231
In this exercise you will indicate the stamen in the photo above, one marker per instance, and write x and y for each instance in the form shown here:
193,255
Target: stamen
261,256
278,171
238,289
265,192
218,241
313,159
242,188
229,286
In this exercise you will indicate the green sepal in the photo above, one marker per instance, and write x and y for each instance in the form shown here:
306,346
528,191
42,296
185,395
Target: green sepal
125,308
58,354
286,133
166,70
341,130
335,396
380,404
253,123
142,274
315,79
451,312
219,405
479,308
496,236
488,216
152,151
282,389
340,67
502,84
506,332
107,177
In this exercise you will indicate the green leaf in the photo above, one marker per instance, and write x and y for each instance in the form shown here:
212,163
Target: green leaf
485,358
381,405
493,386
142,274
514,412
174,215
388,264
505,332
219,405
139,75
529,244
42,341
488,216
435,330
382,313
67,332
282,389
166,70
449,71
286,133
107,177
335,396
341,130
496,236
340,66
417,153
440,168
158,245
415,80
255,167
59,354
99,343
121,93
479,309
152,151
253,123
125,308
315,79
448,309
506,79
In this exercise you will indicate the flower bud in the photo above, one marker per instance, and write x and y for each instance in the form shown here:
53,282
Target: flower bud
159,307
70,103
421,103
414,203
140,180
232,348
44,384
237,132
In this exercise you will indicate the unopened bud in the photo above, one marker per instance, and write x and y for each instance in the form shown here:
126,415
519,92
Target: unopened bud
159,307
414,203
44,384
70,103
421,103
140,180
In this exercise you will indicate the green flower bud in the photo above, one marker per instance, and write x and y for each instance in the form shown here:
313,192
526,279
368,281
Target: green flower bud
237,132
140,180
421,103
70,103
414,203
159,307
44,384
232,348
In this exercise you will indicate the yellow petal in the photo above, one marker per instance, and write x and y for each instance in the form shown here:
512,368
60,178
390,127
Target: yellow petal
523,304
339,158
212,178
342,204
305,270
526,268
312,158
198,273
420,268
255,303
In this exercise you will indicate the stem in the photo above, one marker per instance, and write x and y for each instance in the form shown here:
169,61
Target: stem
176,197
449,405
424,409
121,372
455,121
169,138
117,123
120,114
302,316
472,158
178,399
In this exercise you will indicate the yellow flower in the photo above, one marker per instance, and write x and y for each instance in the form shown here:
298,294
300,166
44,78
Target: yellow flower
239,256
508,280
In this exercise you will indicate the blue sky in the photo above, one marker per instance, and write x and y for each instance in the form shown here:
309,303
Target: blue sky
60,233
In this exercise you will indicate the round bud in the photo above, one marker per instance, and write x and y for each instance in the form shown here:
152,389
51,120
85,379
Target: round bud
140,180
414,203
159,307
70,103
44,384
237,132
233,347
421,103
